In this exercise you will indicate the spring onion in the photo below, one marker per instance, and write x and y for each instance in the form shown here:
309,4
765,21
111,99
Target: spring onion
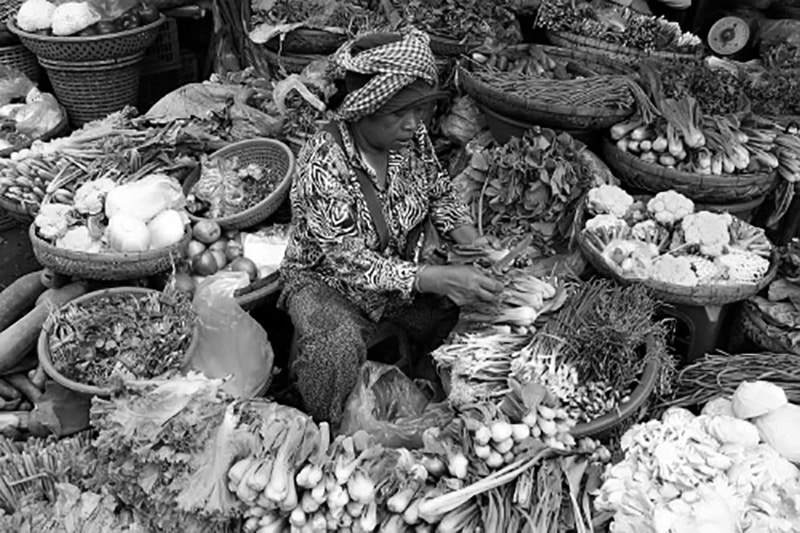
481,451
482,436
520,432
500,431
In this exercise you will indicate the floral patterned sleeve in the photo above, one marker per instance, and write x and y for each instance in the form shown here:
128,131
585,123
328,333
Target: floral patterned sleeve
448,211
332,220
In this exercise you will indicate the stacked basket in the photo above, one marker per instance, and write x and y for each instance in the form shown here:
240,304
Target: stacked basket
92,76
295,50
12,53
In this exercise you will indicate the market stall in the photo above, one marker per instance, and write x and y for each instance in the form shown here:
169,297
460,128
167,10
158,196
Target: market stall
633,186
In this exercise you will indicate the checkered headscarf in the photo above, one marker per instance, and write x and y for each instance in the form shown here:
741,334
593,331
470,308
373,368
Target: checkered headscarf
393,66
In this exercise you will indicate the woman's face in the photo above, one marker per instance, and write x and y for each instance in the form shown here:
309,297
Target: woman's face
393,130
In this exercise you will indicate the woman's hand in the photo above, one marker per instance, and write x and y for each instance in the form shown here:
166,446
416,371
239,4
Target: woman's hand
460,283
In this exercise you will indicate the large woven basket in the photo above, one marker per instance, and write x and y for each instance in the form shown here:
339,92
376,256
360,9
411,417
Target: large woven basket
307,41
22,59
624,54
259,293
43,347
94,48
289,63
266,153
678,294
18,211
445,46
91,90
108,266
765,335
653,178
503,128
565,116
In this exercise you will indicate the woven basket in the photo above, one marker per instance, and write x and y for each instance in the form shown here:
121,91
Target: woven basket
43,347
307,41
94,48
259,293
109,266
741,210
445,46
289,63
503,128
266,153
57,131
556,116
653,178
22,59
17,211
677,294
92,90
765,335
629,56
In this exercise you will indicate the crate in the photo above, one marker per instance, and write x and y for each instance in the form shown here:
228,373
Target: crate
165,53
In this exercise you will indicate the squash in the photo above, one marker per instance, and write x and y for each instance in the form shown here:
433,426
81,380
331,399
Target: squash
19,338
19,298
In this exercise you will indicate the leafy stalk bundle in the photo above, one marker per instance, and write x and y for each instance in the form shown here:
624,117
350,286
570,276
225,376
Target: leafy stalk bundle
717,91
604,328
140,335
462,20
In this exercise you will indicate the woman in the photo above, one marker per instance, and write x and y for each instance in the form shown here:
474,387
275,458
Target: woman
365,184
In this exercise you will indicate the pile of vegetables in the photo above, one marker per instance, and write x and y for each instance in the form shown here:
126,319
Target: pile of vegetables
587,356
133,334
774,92
512,69
529,186
616,25
226,187
718,91
83,19
728,469
118,216
352,16
470,21
665,240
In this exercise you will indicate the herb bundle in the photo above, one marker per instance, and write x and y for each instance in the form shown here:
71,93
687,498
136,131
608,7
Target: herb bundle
462,20
352,16
144,335
717,91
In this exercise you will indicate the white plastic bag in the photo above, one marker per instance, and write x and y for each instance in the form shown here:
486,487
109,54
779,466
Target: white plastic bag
231,342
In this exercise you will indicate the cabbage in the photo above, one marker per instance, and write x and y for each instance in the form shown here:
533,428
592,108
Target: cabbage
126,233
146,198
780,428
71,17
35,15
755,398
166,229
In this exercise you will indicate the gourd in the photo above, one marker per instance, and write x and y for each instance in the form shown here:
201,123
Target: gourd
19,298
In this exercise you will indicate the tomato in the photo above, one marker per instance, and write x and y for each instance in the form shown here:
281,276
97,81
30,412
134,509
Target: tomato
148,13
129,21
206,231
105,27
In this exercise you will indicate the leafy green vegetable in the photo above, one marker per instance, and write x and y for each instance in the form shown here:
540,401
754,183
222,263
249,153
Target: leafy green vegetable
471,20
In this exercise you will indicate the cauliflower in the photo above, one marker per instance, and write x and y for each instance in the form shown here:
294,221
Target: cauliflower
676,270
649,231
35,15
80,240
53,220
90,197
632,259
669,207
707,271
743,267
708,230
609,199
71,17
605,221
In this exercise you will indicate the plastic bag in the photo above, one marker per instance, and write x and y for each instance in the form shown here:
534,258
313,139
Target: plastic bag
112,9
14,84
231,342
39,117
389,406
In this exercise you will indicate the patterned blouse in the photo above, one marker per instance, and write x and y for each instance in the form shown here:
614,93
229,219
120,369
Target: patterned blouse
333,235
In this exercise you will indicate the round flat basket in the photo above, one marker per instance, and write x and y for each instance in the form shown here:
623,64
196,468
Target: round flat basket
653,178
265,153
22,59
92,90
742,210
627,55
58,130
719,294
307,41
43,347
107,266
503,128
93,48
7,221
290,63
535,111
765,335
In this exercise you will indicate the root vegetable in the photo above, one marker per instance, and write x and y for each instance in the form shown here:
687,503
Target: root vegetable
501,431
495,460
458,465
482,452
503,446
520,432
482,436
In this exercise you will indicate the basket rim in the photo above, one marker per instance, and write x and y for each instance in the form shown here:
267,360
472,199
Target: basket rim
12,27
600,44
43,348
639,395
723,180
280,188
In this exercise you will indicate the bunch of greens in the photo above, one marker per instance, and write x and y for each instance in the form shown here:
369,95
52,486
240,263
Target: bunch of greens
462,20
609,332
530,186
136,334
164,449
350,15
717,91
775,92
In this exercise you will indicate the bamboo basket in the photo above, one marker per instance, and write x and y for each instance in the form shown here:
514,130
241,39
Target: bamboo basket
20,212
566,116
307,41
640,175
445,46
107,266
260,292
43,347
290,63
18,57
624,54
765,335
268,153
